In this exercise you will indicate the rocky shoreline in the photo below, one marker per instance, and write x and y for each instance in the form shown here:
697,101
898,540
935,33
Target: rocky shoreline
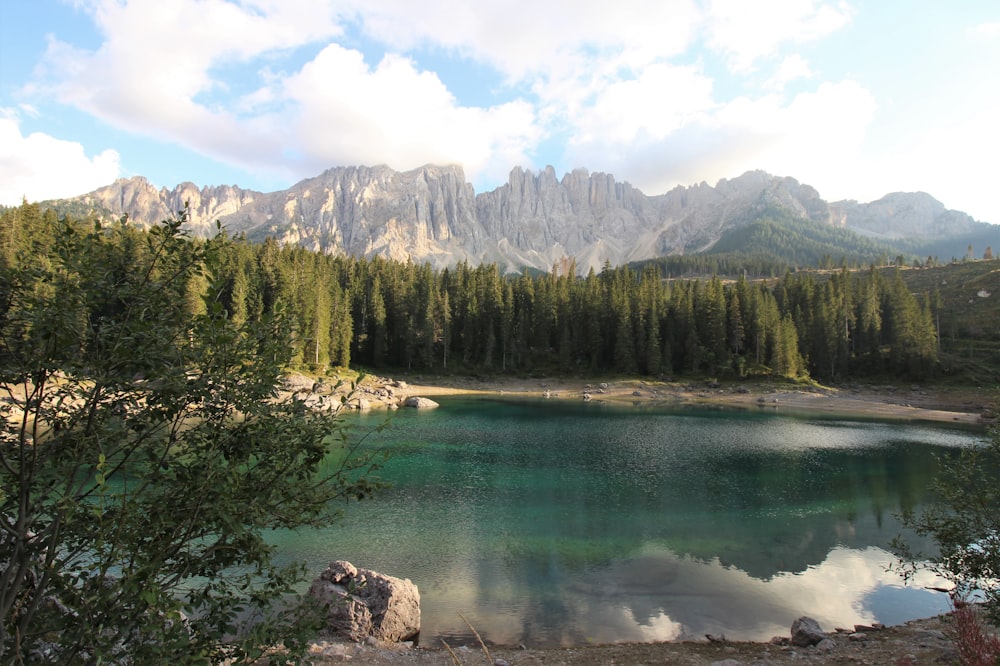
924,642
910,403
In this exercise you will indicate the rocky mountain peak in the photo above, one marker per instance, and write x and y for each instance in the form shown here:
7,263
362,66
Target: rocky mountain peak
535,220
902,215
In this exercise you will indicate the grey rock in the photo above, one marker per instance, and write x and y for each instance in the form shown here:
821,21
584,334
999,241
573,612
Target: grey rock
364,604
420,403
295,383
826,645
360,404
806,631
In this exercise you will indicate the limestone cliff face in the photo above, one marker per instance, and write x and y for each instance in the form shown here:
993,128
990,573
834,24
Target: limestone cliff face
146,205
535,220
427,214
538,220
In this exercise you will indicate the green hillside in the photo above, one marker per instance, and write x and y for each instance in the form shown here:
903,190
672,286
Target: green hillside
968,295
956,247
782,237
774,242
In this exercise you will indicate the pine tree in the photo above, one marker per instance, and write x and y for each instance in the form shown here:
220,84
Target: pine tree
787,361
341,328
735,330
869,319
625,353
711,317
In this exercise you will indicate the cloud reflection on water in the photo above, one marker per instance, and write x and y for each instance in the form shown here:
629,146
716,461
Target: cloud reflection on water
658,596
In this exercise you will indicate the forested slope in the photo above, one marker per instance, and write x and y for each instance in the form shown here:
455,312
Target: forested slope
382,314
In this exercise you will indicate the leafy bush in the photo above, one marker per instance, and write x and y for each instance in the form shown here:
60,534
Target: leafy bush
145,452
964,522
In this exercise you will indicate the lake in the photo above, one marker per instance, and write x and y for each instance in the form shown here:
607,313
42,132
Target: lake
551,523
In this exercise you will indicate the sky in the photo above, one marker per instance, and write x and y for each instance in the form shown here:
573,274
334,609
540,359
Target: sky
857,98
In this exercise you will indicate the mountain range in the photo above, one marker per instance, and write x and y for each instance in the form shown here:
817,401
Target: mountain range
535,220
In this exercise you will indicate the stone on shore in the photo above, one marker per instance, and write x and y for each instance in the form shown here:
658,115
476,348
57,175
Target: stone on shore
419,403
806,632
364,603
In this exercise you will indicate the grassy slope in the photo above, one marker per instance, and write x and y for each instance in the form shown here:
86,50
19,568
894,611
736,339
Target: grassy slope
969,323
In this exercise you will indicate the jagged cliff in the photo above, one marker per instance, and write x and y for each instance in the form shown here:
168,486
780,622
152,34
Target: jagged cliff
533,221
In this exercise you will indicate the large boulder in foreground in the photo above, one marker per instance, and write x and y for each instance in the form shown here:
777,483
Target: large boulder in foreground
419,403
365,603
806,631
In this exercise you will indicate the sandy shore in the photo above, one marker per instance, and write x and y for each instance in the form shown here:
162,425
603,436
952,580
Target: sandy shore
909,403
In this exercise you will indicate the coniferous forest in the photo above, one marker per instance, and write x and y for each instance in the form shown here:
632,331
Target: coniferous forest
389,316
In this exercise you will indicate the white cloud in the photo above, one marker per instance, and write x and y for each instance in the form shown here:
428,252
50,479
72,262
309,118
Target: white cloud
156,53
660,101
160,66
791,68
743,134
525,38
213,76
990,30
39,167
158,58
398,115
748,31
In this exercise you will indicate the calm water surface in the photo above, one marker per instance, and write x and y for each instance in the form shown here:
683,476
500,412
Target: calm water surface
554,523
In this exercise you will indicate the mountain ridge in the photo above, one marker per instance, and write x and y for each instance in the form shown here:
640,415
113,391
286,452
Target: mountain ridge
533,221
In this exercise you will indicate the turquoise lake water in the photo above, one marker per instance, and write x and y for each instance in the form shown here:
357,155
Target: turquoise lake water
554,523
